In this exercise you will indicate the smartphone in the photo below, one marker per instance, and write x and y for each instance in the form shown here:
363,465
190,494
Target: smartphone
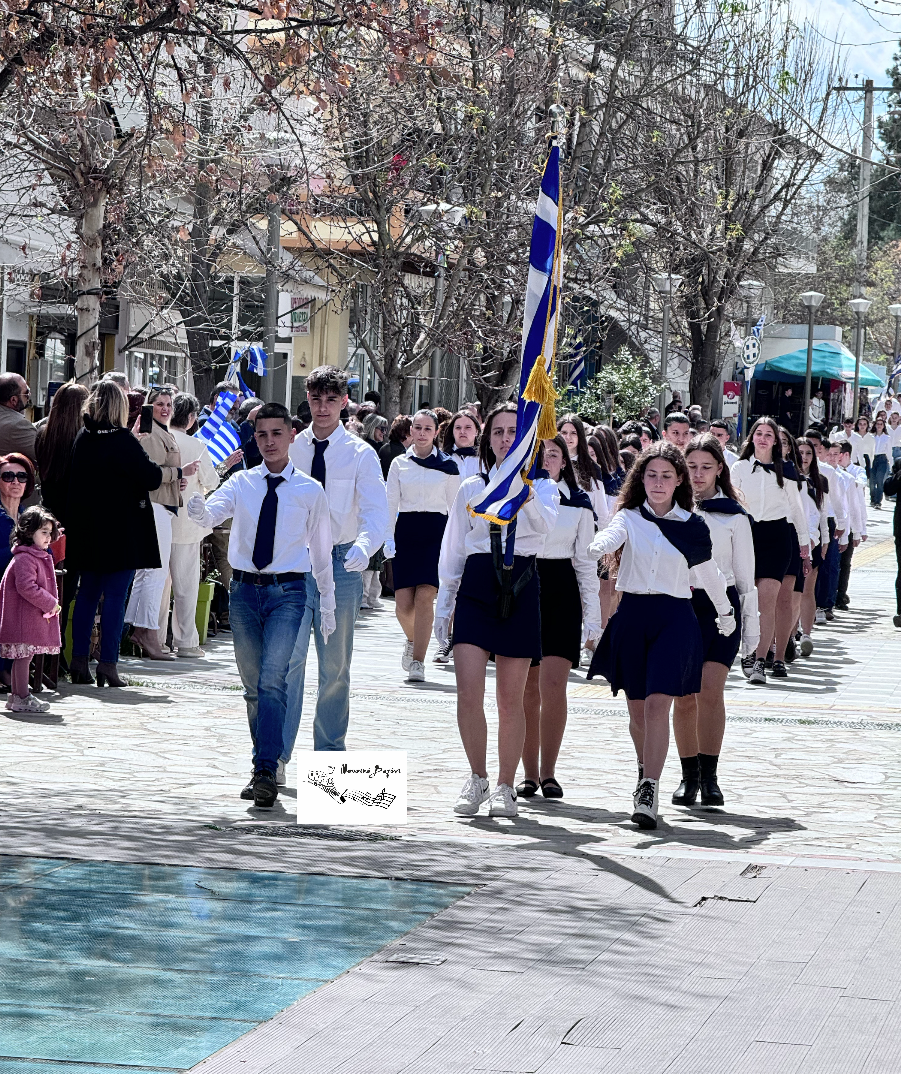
146,425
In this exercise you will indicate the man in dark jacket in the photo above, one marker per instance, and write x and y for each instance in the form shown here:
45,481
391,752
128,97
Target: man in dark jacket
892,487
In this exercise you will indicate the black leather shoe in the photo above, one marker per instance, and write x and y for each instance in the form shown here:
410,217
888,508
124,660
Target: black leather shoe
791,651
687,792
710,793
779,670
247,793
265,789
79,671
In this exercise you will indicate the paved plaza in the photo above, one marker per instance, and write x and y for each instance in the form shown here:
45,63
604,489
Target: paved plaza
761,937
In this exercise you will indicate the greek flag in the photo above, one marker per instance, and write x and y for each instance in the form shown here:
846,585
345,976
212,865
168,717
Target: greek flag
220,438
577,368
535,414
758,328
248,394
896,370
256,360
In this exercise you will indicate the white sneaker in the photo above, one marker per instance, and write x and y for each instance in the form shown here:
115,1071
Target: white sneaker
646,801
443,654
502,802
475,792
407,656
375,604
586,657
820,617
416,672
26,704
806,645
280,778
195,650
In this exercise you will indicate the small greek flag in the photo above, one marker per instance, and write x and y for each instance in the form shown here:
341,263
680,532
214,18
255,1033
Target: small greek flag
758,328
896,369
220,438
535,416
577,368
248,394
256,360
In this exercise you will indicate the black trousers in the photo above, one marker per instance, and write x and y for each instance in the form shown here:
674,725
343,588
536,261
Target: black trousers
898,578
844,572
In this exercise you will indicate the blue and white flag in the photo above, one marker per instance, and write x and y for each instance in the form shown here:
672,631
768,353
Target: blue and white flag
758,328
220,438
577,366
248,394
535,416
896,370
256,360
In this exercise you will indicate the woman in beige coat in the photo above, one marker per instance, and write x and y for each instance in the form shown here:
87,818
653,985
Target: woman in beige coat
143,610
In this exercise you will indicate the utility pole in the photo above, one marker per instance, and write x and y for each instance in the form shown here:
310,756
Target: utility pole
273,384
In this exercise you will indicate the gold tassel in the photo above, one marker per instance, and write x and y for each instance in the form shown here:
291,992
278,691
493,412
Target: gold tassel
540,387
547,422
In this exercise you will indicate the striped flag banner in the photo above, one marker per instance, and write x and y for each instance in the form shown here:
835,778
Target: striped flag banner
577,365
220,438
256,360
758,328
535,414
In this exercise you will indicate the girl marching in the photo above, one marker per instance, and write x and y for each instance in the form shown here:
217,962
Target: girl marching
816,506
653,648
422,484
770,491
461,442
489,586
699,721
569,599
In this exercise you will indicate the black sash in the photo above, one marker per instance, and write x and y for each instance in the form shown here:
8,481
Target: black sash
502,557
691,538
438,461
577,498
722,505
464,452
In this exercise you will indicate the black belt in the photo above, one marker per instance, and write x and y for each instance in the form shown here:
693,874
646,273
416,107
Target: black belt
268,579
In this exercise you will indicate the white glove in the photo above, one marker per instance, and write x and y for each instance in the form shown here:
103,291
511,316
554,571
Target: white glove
326,625
591,632
726,624
356,559
196,507
389,549
594,552
750,623
442,630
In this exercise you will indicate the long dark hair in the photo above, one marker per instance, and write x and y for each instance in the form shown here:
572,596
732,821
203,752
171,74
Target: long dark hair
747,448
608,437
709,443
817,482
583,465
633,493
487,457
605,460
448,443
54,441
880,417
793,456
567,473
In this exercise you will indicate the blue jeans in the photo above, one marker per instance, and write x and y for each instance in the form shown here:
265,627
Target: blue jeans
113,587
878,474
333,701
827,578
264,621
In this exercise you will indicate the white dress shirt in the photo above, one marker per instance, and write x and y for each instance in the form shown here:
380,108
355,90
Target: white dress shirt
862,445
817,517
838,506
730,457
204,479
467,535
412,487
733,547
354,487
838,433
817,410
895,435
303,536
857,496
765,501
651,565
882,445
569,538
468,465
600,503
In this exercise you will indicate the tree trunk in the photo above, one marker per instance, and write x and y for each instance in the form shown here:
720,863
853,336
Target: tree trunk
705,365
87,307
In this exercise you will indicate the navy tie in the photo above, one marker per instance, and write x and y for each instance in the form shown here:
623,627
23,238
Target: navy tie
264,545
317,470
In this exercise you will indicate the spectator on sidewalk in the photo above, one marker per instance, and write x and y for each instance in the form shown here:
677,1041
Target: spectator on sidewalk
110,530
16,485
399,439
187,536
281,537
53,445
349,472
16,431
143,610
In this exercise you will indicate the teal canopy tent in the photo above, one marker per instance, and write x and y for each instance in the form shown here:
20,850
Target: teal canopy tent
830,360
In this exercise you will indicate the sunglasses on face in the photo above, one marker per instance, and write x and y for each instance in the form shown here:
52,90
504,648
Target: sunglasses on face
8,476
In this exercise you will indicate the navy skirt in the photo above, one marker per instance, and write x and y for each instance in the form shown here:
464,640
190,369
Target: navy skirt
717,649
652,645
561,610
816,556
476,620
795,566
772,548
417,545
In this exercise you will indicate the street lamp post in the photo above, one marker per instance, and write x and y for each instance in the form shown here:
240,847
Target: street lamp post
895,311
665,285
749,290
811,300
859,307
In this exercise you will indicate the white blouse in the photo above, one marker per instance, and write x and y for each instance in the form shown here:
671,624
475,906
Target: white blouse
569,539
412,487
883,446
862,445
817,517
765,501
467,535
837,506
468,465
650,564
733,547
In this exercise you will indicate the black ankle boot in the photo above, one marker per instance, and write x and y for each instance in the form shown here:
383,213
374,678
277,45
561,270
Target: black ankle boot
687,791
79,672
711,795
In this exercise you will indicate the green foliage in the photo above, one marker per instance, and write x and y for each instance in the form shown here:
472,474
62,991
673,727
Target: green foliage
626,378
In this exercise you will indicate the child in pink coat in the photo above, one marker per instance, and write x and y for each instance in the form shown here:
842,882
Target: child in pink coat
29,605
